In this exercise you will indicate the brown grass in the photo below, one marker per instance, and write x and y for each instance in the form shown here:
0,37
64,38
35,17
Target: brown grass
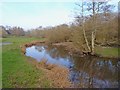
23,49
58,75
24,46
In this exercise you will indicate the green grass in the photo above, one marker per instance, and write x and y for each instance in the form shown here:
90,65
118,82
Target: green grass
16,70
107,51
0,67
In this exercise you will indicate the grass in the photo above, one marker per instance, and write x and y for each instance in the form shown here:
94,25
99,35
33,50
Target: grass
107,51
0,67
16,70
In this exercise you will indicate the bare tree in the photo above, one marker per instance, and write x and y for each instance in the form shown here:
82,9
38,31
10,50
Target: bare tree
93,8
84,33
3,32
81,20
18,31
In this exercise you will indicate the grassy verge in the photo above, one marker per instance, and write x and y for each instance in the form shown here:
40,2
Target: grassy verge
16,71
0,67
107,51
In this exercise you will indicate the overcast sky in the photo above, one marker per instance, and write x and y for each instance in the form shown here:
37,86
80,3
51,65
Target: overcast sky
34,13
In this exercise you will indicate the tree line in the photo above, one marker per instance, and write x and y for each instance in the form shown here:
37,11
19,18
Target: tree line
11,31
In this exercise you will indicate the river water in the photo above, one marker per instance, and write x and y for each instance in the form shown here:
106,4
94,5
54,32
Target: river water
5,43
85,72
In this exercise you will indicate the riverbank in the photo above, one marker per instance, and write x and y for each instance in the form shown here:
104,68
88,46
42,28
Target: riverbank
105,52
24,72
100,51
58,75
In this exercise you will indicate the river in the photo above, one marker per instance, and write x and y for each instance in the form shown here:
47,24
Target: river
5,43
85,72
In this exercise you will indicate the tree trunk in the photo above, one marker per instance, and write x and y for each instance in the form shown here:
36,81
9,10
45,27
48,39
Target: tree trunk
92,44
93,32
86,39
83,27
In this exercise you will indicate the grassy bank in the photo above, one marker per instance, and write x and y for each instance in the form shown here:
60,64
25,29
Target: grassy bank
0,66
16,70
107,51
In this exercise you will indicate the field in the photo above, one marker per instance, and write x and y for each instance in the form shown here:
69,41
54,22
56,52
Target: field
16,70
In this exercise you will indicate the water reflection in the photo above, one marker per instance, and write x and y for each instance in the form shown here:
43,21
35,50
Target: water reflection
41,52
96,72
85,72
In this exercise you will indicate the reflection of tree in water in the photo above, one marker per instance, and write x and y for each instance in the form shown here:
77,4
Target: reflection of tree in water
56,52
93,69
39,48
